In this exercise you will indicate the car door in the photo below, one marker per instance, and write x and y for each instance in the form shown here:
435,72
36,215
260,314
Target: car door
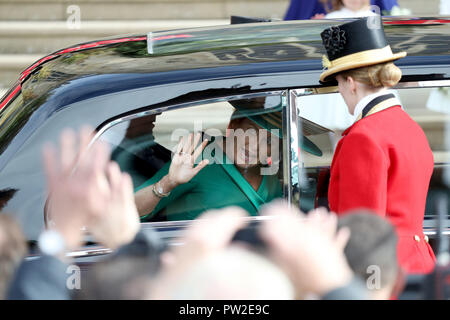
129,134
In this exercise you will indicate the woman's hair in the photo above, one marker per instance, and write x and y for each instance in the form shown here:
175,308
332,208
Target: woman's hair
380,75
329,5
336,5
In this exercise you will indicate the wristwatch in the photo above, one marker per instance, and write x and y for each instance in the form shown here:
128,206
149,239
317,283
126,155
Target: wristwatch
51,243
158,191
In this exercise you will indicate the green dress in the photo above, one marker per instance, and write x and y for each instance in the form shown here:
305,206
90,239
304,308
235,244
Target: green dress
215,186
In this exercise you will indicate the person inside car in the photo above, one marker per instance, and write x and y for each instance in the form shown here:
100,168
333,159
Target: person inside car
138,154
240,169
183,190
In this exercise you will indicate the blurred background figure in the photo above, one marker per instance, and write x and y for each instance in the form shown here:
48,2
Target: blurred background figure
13,249
119,278
96,196
444,8
350,9
290,256
234,273
371,253
304,10
310,248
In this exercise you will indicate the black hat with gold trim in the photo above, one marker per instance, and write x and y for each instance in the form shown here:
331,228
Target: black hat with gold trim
356,44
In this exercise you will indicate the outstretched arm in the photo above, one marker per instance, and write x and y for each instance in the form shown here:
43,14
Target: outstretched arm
181,170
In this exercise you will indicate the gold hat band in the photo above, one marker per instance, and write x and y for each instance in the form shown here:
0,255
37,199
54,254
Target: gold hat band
367,55
358,60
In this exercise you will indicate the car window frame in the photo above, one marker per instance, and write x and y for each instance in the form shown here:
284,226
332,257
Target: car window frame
288,149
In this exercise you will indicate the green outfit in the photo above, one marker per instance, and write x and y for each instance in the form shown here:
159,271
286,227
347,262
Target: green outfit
215,186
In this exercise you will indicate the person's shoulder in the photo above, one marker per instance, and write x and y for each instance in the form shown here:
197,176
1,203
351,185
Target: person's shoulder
363,133
383,126
359,134
380,117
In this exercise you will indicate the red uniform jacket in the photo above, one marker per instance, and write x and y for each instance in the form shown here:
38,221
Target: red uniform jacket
384,163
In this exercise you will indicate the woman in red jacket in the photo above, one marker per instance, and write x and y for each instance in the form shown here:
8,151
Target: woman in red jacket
383,162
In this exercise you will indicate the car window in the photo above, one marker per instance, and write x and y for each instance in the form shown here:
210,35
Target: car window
429,107
244,143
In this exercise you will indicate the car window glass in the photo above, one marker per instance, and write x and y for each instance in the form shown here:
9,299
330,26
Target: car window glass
247,174
430,108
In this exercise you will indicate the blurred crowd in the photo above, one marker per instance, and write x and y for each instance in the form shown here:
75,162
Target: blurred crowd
289,255
331,9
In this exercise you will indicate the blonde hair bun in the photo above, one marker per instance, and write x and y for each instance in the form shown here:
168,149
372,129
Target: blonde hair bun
380,75
389,75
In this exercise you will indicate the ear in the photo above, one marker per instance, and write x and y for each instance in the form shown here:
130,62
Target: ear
351,84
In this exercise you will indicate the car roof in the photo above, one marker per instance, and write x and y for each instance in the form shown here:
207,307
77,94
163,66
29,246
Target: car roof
233,45
244,50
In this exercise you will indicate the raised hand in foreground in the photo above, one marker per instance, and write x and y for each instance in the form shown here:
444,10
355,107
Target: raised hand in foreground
309,247
87,190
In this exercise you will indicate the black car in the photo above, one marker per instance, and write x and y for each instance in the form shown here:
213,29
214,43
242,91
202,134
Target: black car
186,77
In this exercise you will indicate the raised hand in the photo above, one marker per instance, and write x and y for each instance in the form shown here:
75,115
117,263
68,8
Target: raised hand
311,248
77,188
182,168
208,235
87,190
118,223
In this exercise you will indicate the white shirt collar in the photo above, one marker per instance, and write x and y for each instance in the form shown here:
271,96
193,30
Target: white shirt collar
366,100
